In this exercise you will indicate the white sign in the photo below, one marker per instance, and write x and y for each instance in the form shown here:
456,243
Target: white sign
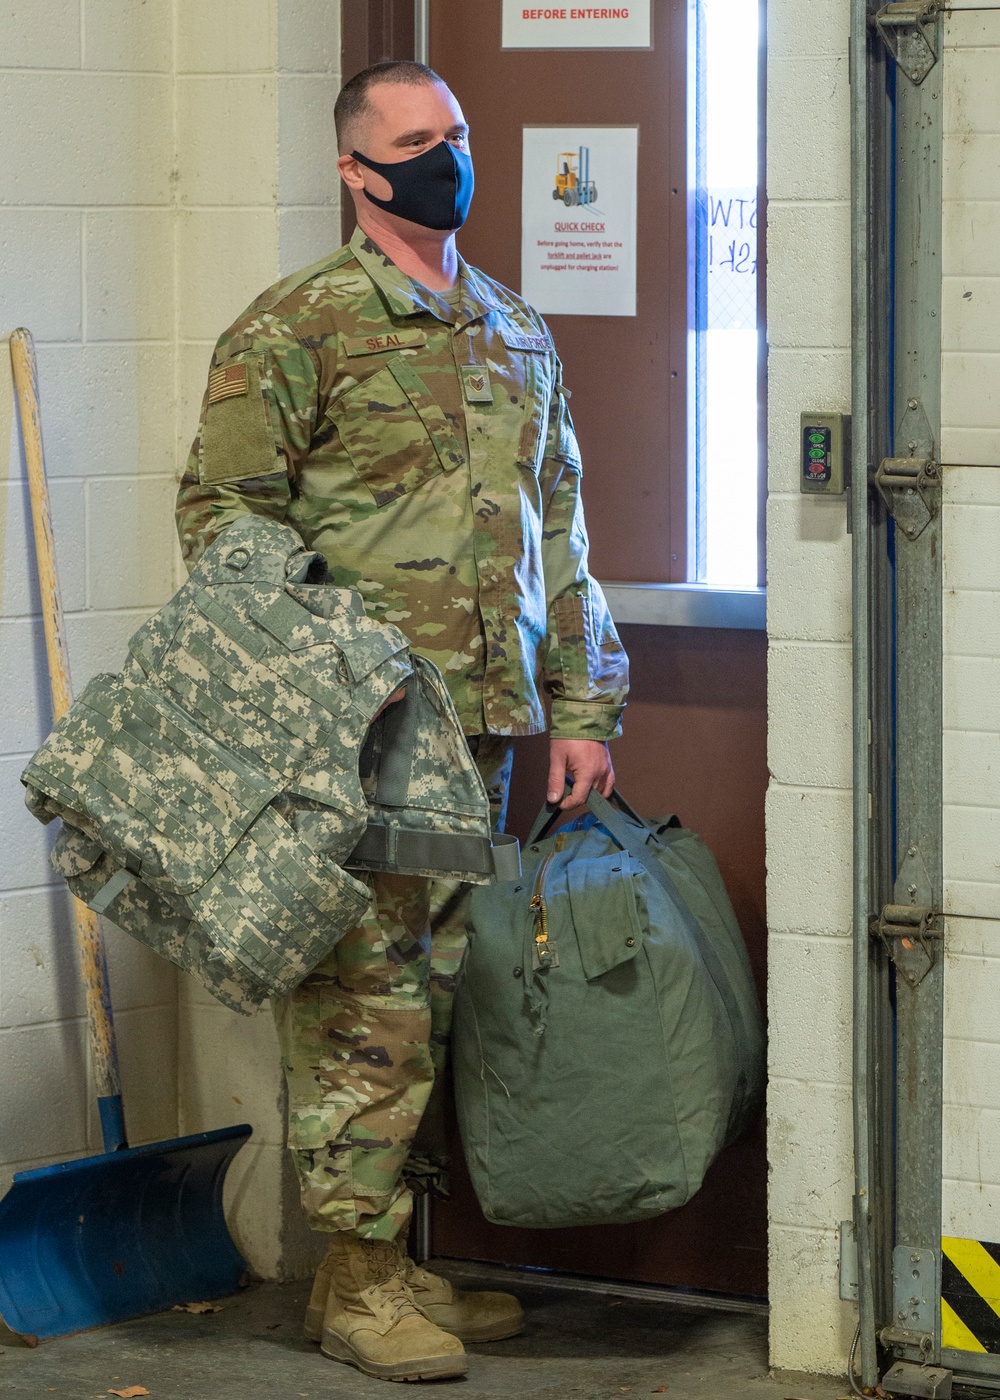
578,201
576,26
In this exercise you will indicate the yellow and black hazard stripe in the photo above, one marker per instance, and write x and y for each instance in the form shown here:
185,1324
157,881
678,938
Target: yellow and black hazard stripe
970,1295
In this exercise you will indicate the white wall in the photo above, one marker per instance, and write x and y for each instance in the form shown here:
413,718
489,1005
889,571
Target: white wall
971,434
160,164
258,197
809,598
809,746
86,264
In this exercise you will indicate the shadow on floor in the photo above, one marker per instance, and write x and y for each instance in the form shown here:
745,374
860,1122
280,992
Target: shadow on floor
576,1347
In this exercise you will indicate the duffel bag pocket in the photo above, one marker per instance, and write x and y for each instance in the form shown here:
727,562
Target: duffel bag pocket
605,911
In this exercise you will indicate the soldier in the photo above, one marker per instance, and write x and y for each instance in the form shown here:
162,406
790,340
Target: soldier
406,415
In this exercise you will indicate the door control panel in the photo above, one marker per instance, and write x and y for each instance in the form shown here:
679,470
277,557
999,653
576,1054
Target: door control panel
825,441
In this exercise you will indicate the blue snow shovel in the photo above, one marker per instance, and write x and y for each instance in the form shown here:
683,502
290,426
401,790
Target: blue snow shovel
136,1229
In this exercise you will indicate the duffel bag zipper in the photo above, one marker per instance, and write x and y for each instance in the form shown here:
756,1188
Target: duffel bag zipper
544,953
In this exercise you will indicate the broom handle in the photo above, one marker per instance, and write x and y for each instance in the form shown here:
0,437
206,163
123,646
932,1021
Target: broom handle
89,938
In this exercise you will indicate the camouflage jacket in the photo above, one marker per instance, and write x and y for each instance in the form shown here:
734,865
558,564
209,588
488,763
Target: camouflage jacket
217,792
428,452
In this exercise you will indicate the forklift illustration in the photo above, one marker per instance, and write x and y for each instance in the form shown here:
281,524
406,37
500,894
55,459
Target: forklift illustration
573,182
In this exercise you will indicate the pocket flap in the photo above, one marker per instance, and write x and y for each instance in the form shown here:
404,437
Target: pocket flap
74,851
364,645
288,621
395,433
605,911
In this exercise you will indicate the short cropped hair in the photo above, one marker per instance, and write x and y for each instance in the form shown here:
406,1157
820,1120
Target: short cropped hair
352,105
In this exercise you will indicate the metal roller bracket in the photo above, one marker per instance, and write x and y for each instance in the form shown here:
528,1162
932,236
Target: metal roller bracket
908,29
911,489
909,938
911,485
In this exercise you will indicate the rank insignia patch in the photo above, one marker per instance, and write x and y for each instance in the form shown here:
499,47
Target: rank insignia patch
227,382
476,384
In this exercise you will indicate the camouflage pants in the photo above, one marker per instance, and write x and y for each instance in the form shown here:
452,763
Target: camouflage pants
364,1038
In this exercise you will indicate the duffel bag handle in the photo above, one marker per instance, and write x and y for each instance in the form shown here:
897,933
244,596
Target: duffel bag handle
547,817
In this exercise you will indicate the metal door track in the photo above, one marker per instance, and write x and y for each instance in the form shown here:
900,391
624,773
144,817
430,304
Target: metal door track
504,1275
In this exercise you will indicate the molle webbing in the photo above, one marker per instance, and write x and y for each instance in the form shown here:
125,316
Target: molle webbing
211,791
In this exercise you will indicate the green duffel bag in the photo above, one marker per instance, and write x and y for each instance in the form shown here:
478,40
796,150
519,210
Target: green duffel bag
607,1041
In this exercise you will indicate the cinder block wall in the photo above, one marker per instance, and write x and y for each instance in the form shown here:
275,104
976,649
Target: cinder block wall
160,164
257,190
86,263
970,442
809,623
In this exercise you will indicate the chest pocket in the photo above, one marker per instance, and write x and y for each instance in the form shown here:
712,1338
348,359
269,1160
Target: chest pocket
397,437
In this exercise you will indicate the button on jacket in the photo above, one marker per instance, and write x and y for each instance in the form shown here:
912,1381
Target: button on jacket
426,449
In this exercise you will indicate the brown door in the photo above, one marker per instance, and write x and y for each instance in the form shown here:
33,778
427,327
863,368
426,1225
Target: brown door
695,731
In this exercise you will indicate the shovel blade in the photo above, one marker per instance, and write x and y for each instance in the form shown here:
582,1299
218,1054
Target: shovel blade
106,1238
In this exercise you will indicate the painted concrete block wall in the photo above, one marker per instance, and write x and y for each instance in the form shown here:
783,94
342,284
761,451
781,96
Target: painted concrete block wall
257,194
971,435
809,625
159,166
86,263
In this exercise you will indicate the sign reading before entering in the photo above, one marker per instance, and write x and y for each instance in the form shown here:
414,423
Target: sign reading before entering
576,26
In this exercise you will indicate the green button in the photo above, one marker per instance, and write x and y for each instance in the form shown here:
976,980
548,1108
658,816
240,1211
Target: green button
815,437
817,454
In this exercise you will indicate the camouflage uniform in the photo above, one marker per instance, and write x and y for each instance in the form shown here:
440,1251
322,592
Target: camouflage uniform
426,449
363,1038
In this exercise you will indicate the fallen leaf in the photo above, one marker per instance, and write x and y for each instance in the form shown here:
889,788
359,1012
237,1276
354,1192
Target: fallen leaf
130,1391
239,1101
196,1307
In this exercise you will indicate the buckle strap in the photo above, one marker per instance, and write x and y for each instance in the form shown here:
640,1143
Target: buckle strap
387,848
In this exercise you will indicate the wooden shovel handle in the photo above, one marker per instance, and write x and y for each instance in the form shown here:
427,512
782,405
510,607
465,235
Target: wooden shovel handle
89,938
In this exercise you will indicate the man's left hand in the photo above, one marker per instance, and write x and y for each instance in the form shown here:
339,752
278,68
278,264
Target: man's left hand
587,762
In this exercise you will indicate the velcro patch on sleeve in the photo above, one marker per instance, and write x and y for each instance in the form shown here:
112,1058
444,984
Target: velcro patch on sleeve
237,439
516,341
227,382
377,344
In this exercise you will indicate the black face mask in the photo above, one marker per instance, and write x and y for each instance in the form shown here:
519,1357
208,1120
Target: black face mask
433,189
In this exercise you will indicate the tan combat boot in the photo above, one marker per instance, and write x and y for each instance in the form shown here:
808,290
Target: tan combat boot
372,1322
472,1317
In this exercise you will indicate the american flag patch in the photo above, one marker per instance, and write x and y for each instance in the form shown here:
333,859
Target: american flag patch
227,382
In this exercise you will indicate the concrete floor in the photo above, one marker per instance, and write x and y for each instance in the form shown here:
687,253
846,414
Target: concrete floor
578,1346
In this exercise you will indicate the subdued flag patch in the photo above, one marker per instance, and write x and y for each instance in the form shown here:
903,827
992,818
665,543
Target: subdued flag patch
227,382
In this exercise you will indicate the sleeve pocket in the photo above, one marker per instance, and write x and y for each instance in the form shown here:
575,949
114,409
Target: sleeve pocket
529,448
237,440
397,437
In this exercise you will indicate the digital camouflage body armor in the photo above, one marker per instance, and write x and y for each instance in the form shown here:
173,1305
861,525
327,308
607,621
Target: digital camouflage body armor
214,791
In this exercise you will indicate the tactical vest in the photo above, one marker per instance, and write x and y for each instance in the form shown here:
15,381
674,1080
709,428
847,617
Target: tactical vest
217,792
